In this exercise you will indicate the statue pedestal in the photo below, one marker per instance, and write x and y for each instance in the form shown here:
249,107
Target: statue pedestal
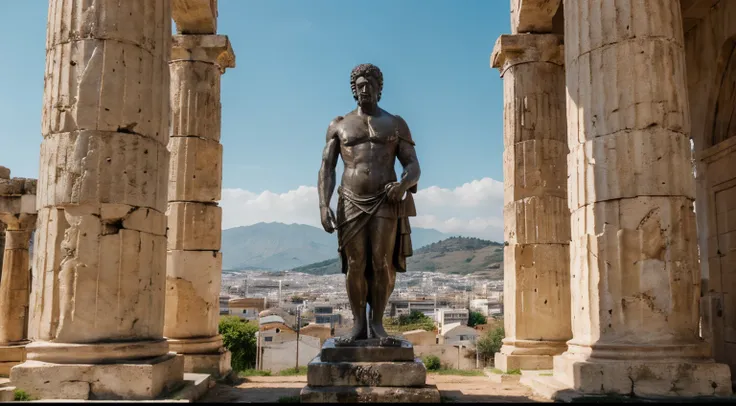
366,372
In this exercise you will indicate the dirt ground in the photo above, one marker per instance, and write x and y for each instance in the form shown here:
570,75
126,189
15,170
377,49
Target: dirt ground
475,389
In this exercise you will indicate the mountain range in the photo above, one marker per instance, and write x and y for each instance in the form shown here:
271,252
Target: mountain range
278,246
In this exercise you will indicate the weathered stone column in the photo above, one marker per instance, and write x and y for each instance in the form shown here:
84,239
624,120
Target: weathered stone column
536,216
97,293
194,264
18,217
633,257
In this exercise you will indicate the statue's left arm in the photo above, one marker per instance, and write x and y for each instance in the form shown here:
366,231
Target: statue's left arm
408,157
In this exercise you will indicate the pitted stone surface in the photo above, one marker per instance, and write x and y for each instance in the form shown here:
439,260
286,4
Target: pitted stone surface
363,352
407,374
367,394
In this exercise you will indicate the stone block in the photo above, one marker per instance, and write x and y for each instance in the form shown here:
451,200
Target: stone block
537,299
213,49
533,16
194,226
217,365
122,271
17,186
12,353
195,174
118,168
405,374
195,100
666,377
604,169
537,220
633,266
142,380
368,394
107,85
506,362
332,353
195,16
4,173
192,294
535,168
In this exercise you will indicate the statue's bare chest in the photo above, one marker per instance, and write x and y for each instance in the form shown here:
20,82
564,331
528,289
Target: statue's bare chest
357,130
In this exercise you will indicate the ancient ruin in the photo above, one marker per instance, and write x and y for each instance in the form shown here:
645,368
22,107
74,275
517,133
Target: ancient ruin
634,278
194,265
18,216
619,187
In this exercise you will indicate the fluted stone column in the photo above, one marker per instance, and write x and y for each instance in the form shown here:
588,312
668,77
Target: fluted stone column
18,218
194,264
536,216
97,294
634,264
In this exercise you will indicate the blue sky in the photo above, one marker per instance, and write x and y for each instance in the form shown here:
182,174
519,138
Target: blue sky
292,78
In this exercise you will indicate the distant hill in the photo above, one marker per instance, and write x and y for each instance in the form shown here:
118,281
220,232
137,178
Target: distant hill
454,255
278,246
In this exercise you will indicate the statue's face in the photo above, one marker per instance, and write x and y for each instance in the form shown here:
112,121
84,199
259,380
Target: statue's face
367,89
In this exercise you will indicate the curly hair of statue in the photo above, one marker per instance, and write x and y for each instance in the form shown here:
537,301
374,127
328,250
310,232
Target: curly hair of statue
366,69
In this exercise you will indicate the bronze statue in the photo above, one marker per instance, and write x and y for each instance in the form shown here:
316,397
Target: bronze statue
372,222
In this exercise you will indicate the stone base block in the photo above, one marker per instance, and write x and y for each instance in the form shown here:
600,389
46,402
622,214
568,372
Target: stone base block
10,356
400,374
217,365
366,351
369,394
646,378
132,380
506,362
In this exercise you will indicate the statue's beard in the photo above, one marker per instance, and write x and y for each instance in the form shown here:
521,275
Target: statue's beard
366,101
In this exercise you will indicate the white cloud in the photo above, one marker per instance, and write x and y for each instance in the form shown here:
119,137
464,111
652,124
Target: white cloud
473,209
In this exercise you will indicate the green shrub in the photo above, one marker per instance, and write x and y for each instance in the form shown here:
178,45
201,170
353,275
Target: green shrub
239,337
20,395
490,344
432,362
476,318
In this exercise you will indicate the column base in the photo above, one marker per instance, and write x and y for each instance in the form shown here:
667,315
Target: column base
645,378
506,362
128,380
527,354
10,356
203,355
216,365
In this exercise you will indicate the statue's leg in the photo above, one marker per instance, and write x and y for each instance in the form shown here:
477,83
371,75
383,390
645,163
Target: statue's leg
383,241
356,251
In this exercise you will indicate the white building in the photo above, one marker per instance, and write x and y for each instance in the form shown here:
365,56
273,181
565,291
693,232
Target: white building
448,316
456,333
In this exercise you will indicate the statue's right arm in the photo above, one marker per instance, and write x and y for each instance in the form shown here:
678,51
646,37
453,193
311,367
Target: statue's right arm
326,182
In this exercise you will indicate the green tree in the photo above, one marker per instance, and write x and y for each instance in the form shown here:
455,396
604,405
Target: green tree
239,337
476,318
490,344
432,362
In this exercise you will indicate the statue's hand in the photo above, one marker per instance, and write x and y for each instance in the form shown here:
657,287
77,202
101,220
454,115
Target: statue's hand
395,192
328,219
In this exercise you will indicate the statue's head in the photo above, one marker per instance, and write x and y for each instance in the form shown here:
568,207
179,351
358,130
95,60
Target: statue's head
366,82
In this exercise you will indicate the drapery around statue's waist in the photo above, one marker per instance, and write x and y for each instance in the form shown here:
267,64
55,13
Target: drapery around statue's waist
354,212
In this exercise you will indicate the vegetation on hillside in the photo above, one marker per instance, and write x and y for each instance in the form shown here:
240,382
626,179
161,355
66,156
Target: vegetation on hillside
239,337
415,320
454,255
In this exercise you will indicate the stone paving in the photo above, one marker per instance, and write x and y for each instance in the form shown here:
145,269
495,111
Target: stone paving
465,389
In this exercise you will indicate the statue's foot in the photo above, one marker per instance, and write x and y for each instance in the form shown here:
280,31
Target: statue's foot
378,331
390,342
358,333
